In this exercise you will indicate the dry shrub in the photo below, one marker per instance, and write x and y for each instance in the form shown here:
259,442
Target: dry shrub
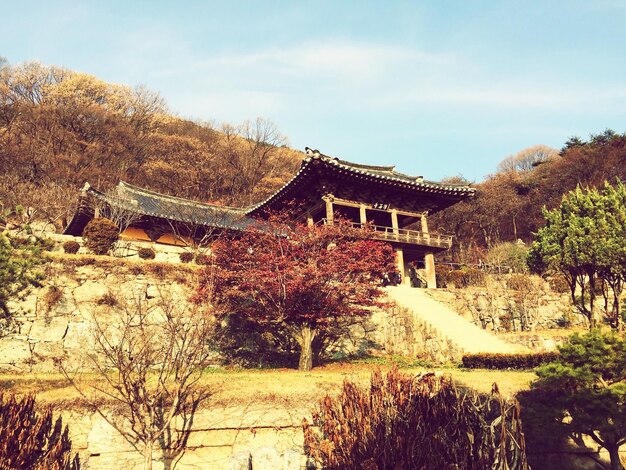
52,297
204,260
32,440
71,247
100,235
459,278
146,253
186,257
405,421
108,299
558,283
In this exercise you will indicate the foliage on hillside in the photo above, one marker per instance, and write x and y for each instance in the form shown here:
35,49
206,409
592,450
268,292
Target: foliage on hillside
405,421
508,204
60,128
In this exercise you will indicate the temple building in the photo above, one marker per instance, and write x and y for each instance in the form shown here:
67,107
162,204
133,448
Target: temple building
394,205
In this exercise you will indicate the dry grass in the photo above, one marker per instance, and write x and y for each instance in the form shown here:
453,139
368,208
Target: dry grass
67,263
284,387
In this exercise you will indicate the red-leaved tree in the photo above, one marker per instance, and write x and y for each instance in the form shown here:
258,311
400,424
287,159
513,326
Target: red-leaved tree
309,283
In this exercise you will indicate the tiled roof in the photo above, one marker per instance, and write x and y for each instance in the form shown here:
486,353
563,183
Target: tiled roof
150,203
382,174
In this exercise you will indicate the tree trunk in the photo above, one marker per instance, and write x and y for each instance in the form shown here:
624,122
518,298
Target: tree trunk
616,463
147,456
305,340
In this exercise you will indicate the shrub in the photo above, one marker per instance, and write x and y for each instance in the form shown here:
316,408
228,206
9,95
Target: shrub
186,257
558,283
100,235
71,247
404,421
508,361
520,282
508,256
203,259
465,277
52,297
146,253
109,299
33,440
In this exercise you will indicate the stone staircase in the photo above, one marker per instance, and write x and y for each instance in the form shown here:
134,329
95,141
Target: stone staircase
449,325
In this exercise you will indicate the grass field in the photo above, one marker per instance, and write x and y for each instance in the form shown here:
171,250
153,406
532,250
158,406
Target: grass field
283,387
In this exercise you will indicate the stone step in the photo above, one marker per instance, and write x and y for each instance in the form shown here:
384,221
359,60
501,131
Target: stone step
448,323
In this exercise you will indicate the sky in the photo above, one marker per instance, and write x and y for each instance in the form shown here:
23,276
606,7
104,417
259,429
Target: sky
438,88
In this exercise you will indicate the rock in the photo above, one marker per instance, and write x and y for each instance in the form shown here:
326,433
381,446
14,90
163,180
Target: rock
152,292
90,291
15,354
240,461
293,460
79,336
266,458
53,329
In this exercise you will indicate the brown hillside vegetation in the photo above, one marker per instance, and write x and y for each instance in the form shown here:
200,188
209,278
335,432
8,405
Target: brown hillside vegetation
60,128
508,204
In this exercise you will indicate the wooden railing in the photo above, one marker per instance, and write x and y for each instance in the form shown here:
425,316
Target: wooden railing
402,235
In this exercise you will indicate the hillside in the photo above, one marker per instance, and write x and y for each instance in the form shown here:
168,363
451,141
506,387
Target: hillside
60,128
508,204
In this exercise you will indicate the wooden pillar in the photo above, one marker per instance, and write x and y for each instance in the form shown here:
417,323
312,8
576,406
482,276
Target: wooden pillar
394,221
309,219
363,214
429,258
96,212
329,208
425,225
403,269
431,277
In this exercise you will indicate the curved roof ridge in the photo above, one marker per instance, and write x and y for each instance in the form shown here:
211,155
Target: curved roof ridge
387,173
187,202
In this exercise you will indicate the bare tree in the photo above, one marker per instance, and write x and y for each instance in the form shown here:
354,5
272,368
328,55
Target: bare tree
528,158
150,359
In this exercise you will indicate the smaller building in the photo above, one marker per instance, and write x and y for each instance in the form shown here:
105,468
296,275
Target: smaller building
396,206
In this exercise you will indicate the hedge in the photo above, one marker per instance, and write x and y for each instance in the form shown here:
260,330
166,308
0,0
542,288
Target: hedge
508,361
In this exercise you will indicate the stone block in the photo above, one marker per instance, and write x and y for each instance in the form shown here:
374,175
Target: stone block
240,461
15,353
52,329
266,458
90,291
78,336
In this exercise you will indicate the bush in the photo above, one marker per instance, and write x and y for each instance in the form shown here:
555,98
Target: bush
520,282
422,422
459,278
186,257
508,361
559,284
204,260
100,235
33,440
146,253
71,247
508,256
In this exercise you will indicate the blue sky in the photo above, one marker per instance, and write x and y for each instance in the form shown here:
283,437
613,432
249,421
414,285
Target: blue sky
438,88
